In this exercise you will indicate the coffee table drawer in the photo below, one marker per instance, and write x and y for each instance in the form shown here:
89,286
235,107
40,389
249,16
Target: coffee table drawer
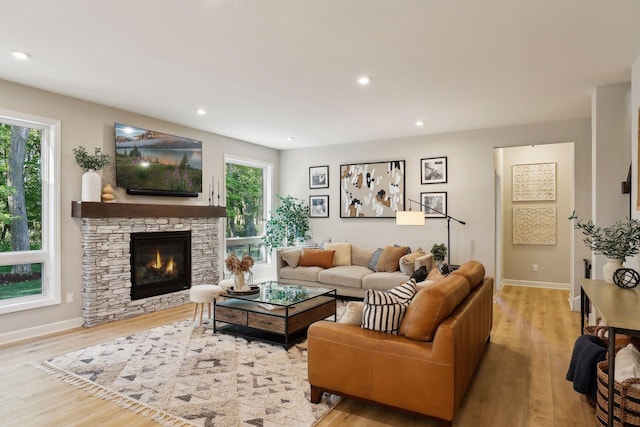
267,323
230,315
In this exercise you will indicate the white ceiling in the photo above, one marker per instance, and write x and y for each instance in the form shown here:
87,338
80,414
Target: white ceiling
268,69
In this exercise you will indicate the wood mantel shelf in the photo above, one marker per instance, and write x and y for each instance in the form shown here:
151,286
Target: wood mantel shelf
142,210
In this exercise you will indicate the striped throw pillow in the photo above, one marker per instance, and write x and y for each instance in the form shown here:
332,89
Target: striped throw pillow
404,292
382,311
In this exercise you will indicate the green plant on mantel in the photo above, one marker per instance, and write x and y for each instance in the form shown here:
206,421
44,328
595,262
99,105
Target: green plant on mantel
289,223
618,241
439,251
86,161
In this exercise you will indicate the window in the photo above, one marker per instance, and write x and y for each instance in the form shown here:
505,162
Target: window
247,196
29,247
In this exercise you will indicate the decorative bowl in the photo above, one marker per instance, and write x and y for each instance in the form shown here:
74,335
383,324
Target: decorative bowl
233,293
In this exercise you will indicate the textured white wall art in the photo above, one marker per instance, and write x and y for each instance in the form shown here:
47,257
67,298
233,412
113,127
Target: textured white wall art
534,225
534,181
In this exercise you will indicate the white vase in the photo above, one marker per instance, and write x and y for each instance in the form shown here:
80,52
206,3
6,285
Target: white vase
91,186
238,281
609,268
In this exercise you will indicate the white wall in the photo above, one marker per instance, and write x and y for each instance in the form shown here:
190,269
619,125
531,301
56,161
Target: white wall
470,187
611,145
553,261
91,125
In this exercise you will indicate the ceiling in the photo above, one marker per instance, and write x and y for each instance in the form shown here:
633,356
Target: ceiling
268,70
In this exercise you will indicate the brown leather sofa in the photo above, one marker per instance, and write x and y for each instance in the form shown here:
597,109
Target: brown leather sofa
427,367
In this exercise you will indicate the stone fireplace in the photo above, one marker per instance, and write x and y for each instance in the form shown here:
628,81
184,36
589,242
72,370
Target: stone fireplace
107,230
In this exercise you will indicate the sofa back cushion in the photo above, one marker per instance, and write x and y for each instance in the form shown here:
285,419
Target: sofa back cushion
408,262
390,258
432,305
343,252
473,271
316,257
361,256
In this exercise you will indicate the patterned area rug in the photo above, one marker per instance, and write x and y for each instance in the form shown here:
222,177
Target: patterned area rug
179,374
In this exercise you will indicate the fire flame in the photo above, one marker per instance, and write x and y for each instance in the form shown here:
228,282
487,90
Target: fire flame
158,262
170,266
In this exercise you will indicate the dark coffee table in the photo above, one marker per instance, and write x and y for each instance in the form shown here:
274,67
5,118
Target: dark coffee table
278,313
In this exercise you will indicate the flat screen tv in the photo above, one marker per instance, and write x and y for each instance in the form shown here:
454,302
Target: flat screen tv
157,164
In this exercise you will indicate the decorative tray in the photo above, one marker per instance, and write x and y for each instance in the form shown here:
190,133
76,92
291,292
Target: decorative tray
233,293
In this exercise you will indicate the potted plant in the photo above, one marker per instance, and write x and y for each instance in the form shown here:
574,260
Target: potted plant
439,251
616,242
289,224
91,163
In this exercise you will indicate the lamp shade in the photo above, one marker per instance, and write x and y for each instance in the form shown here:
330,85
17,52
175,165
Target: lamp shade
409,218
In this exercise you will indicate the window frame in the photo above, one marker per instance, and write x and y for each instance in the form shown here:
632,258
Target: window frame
49,254
267,174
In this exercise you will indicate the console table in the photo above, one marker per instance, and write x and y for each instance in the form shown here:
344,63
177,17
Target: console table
619,309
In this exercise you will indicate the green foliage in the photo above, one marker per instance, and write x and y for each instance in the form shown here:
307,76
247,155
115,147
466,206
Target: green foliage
618,241
97,161
32,188
439,251
156,175
245,195
290,222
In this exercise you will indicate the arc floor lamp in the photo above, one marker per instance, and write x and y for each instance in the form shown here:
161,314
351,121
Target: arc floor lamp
417,218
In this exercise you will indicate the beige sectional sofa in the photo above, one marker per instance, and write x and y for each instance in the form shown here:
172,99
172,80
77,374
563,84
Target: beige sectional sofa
349,268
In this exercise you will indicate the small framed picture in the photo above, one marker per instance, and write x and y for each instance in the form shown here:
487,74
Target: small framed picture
433,170
319,177
319,206
434,205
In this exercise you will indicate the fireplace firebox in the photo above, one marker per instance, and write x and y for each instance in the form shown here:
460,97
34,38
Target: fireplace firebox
160,263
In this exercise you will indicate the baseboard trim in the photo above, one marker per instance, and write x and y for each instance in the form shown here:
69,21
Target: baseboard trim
37,331
531,284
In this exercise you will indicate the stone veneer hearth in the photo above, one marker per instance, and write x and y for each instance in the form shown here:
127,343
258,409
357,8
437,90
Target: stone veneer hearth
106,268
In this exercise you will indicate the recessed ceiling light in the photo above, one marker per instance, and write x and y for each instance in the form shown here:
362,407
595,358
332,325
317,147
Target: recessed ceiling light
289,138
420,123
18,54
364,80
201,111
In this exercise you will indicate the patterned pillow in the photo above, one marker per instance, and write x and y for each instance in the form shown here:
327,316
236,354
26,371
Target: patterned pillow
383,311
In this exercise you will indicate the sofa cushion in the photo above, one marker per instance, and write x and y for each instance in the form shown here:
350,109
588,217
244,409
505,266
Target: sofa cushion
291,256
432,305
390,259
316,257
407,262
361,256
382,311
344,275
373,261
343,252
309,274
435,274
473,271
353,313
383,281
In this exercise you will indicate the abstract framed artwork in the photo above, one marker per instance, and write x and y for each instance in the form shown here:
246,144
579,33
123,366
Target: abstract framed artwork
319,206
534,225
372,190
433,170
434,204
533,182
318,177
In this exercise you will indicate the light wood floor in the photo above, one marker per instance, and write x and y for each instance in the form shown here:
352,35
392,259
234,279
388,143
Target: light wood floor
520,380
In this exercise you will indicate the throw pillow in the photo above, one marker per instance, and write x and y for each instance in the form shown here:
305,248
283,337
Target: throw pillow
404,292
374,259
353,313
408,262
316,257
435,274
390,259
343,252
382,312
420,275
291,256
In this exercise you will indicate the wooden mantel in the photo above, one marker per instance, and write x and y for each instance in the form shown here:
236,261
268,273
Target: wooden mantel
141,210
